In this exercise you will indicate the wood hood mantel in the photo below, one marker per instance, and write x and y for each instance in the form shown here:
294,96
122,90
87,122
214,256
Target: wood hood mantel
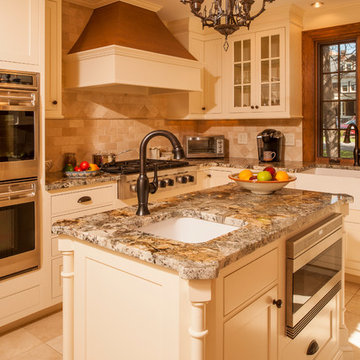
123,44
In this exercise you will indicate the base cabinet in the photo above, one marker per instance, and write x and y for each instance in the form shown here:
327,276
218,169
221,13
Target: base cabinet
253,331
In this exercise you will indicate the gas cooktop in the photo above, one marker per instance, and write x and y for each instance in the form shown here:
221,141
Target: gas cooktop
133,166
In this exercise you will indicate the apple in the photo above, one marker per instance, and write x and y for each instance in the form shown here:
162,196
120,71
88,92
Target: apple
253,178
77,168
271,170
264,176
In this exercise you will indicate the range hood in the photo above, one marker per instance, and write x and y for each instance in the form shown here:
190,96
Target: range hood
128,49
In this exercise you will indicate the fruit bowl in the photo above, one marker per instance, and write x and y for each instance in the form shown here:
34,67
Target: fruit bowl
261,187
81,174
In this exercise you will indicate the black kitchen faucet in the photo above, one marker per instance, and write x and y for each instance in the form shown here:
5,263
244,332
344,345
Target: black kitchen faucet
143,186
347,141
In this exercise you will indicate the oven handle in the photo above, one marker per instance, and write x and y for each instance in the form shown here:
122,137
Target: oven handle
316,250
20,98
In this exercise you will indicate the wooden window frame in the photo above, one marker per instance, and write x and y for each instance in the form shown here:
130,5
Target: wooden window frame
310,42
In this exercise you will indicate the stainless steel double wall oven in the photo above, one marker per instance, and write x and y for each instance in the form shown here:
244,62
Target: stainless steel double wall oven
19,170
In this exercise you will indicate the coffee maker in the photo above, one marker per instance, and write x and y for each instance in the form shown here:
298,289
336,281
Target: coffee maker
270,147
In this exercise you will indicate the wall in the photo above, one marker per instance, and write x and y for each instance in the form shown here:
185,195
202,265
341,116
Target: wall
110,122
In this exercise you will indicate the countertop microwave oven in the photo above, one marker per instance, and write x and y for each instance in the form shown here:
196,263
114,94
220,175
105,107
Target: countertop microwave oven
197,147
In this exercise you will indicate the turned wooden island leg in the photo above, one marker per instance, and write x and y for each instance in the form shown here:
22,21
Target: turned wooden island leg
67,250
200,294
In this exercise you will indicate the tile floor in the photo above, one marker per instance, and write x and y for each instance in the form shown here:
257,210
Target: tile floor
42,339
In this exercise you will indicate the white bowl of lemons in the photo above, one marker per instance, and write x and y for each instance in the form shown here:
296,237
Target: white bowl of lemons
263,182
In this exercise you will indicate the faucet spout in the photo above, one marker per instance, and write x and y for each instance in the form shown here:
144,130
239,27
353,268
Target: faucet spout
144,187
347,141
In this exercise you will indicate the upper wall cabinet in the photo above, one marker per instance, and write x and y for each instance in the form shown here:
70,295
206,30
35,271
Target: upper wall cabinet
53,57
259,77
257,72
19,33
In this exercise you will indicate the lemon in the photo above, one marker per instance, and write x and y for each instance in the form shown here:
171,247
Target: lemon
245,174
282,176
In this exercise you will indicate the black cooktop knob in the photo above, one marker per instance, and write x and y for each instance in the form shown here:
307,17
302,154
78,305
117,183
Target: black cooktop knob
190,178
169,182
162,183
182,179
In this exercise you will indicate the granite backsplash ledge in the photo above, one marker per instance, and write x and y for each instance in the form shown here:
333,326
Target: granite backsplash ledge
261,220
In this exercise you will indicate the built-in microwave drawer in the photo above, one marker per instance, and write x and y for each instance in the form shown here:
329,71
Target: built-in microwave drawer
82,200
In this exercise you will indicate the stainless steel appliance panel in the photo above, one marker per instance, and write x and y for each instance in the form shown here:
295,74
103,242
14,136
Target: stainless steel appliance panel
19,127
19,237
313,272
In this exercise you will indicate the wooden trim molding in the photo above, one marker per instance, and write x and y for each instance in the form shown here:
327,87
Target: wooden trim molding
310,41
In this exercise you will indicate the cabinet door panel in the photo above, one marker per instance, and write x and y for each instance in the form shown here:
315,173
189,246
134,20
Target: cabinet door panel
213,76
19,31
252,333
241,83
270,59
53,101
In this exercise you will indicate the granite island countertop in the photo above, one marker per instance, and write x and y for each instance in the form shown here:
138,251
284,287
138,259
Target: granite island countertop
261,220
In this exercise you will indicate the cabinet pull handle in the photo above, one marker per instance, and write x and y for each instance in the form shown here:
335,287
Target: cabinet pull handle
55,102
84,199
313,348
278,303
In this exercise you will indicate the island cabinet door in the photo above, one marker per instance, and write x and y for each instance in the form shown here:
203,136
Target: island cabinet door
252,333
124,309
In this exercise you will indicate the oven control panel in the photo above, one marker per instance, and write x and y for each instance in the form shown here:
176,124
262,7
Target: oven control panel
167,181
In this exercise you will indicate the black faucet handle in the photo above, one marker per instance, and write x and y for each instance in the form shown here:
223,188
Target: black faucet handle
155,183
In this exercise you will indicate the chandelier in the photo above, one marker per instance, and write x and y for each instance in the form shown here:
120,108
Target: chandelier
228,20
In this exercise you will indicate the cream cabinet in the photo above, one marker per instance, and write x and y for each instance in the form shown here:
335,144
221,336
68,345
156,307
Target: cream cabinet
20,32
257,72
70,204
253,331
53,56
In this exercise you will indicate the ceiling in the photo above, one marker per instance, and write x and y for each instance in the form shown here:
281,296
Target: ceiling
174,9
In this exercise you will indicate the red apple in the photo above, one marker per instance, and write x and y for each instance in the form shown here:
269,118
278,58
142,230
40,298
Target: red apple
271,170
77,168
253,178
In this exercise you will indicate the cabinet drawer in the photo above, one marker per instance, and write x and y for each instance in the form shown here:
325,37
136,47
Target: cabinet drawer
246,282
82,200
19,301
322,329
56,283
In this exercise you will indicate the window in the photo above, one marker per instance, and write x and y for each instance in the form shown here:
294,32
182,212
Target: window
336,103
330,97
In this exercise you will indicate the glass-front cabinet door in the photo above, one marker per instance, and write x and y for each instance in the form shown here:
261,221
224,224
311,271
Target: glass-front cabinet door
258,72
243,73
271,70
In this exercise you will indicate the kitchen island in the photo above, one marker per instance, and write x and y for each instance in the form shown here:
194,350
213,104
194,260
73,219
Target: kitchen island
152,292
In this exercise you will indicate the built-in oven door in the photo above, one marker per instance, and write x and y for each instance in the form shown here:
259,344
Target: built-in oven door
19,237
19,125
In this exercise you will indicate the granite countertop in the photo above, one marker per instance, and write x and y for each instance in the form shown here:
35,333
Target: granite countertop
261,220
57,180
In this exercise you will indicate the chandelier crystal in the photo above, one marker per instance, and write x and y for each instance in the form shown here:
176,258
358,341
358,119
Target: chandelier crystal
225,20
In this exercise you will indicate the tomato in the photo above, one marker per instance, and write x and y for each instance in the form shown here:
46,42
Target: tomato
77,168
84,166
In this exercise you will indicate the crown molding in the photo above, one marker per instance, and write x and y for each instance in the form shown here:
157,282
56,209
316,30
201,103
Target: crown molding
93,4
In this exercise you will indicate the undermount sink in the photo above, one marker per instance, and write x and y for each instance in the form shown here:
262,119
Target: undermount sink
334,172
188,230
